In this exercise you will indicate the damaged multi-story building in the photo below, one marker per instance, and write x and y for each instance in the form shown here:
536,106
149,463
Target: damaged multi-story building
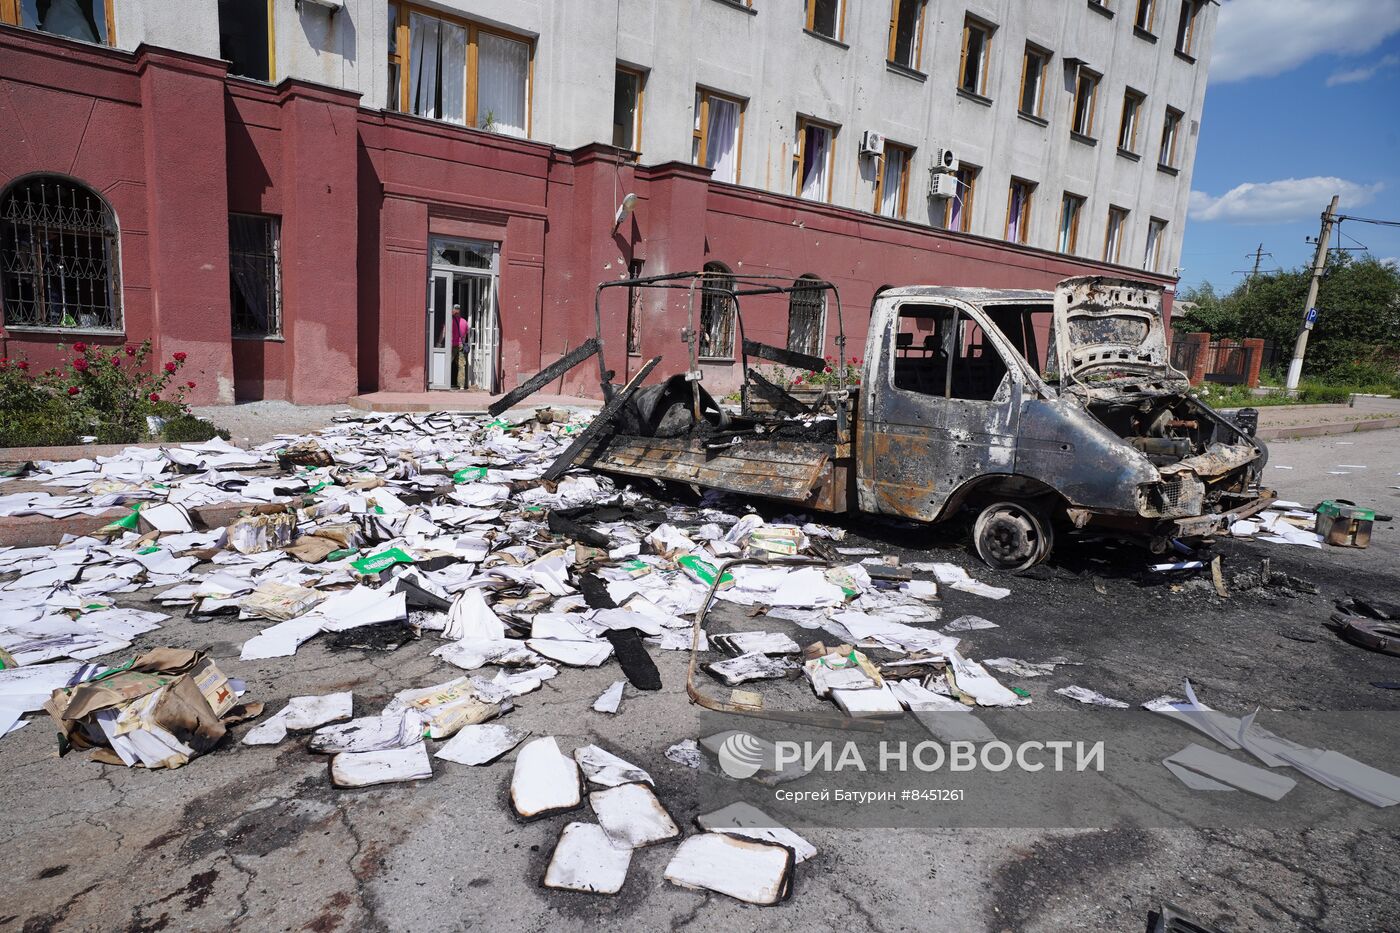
297,192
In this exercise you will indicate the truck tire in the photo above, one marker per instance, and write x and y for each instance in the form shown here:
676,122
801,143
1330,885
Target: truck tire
1012,535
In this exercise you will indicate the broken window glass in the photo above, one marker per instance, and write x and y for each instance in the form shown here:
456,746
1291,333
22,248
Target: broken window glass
244,31
908,28
824,17
85,20
627,98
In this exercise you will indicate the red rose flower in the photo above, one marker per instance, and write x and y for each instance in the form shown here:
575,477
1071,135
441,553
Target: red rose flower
189,385
80,364
116,361
154,397
23,364
170,367
72,390
130,350
80,347
180,357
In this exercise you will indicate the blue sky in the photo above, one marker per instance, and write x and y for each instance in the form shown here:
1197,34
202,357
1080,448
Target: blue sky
1303,102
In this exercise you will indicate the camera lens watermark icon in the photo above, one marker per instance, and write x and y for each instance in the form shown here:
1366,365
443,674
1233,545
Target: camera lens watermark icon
741,755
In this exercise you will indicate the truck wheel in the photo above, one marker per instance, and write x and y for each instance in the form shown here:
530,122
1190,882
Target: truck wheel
1012,535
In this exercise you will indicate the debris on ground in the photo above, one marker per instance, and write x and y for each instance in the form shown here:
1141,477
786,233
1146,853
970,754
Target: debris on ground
479,536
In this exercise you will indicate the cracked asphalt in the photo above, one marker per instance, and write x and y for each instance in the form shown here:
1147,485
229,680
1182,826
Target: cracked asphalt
257,839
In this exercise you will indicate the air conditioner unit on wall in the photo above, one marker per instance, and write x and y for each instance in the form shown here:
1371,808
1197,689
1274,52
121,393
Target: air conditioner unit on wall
942,184
872,143
945,161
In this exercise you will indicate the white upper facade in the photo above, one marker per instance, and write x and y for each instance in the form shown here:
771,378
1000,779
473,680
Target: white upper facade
780,94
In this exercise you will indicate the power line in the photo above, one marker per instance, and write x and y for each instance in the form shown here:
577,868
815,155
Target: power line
1369,220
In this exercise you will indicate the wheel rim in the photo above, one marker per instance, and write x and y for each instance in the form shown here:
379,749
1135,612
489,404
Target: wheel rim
1010,536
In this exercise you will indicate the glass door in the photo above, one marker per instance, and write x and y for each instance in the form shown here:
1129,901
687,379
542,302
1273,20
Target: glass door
440,330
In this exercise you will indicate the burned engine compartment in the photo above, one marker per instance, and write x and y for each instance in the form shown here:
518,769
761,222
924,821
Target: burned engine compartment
1202,456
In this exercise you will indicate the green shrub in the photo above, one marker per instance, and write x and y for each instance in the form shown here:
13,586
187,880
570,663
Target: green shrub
187,429
50,424
107,394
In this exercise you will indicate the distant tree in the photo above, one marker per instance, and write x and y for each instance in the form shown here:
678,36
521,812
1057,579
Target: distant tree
1357,336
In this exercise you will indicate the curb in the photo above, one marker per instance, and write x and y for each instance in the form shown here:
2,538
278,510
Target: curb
1321,430
41,530
73,452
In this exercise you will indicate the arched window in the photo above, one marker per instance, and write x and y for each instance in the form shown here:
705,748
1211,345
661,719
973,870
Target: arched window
58,257
806,316
717,312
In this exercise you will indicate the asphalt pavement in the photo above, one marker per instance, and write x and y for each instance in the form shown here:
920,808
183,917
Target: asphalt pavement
258,839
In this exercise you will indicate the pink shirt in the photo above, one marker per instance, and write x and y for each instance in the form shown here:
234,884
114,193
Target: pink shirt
459,331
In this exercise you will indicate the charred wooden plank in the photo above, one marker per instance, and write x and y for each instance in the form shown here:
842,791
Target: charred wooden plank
776,396
600,421
545,376
774,354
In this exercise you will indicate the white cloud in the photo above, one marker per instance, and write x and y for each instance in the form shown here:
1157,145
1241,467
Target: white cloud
1281,201
1363,73
1259,38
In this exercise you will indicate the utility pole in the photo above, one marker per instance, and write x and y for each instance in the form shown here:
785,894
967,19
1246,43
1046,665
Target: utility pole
1254,273
1295,368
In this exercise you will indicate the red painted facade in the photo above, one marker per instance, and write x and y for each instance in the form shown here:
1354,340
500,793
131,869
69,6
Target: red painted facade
174,145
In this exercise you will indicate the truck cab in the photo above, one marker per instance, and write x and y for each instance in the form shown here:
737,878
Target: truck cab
1035,409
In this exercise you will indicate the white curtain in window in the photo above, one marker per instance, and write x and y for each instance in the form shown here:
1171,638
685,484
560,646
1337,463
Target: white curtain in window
814,159
454,72
422,65
1016,213
503,70
895,166
722,140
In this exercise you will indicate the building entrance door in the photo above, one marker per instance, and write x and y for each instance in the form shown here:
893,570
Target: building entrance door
465,274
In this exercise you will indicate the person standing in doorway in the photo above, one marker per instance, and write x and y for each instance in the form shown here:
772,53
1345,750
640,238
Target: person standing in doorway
459,348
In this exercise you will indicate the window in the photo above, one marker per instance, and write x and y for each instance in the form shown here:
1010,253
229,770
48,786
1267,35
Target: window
454,70
907,32
245,37
827,18
717,313
627,109
1113,235
958,213
946,354
1033,80
255,274
976,53
1186,27
892,184
1086,93
1018,210
58,257
1146,15
1128,128
816,143
719,134
806,317
84,20
1070,208
1171,125
1156,233
634,310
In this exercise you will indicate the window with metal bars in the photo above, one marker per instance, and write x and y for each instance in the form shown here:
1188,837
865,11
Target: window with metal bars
58,257
717,313
255,274
806,317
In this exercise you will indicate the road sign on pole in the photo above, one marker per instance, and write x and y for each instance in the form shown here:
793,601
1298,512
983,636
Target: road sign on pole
1311,319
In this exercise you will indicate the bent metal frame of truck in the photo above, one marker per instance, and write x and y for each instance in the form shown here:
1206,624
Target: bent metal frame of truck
1027,412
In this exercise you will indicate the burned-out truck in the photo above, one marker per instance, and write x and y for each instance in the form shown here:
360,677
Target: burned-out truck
1027,413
